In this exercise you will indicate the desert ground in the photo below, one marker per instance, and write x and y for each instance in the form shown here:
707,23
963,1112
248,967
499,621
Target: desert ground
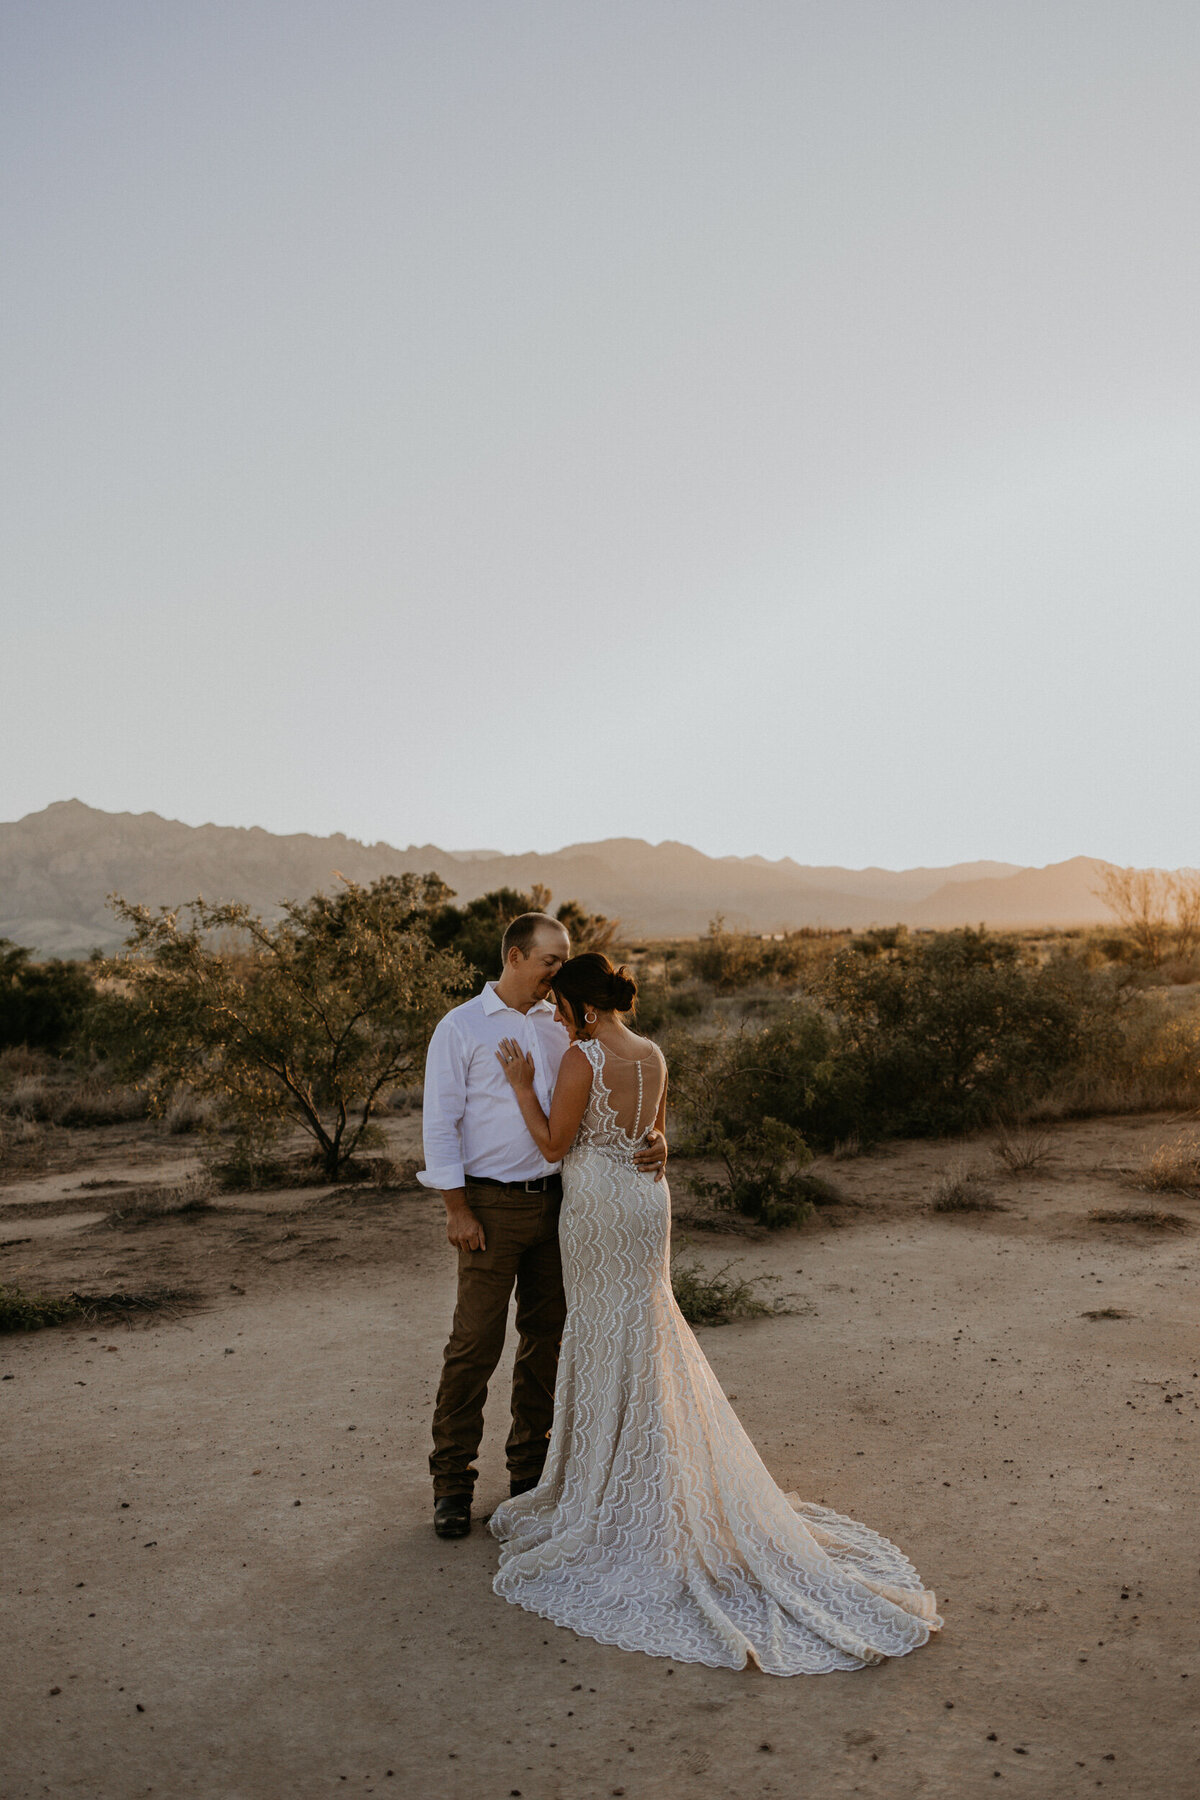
222,1582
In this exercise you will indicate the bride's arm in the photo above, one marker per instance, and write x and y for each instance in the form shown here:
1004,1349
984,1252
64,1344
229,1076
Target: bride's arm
553,1136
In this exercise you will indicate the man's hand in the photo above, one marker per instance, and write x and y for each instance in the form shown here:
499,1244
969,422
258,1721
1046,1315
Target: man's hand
652,1157
462,1227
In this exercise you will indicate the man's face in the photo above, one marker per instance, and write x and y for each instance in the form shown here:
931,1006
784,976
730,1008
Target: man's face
548,952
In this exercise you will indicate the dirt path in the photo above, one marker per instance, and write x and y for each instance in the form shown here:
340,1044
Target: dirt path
221,1580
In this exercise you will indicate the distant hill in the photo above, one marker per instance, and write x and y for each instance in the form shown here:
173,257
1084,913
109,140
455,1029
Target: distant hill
57,867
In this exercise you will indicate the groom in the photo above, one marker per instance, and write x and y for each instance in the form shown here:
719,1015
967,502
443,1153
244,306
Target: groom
502,1200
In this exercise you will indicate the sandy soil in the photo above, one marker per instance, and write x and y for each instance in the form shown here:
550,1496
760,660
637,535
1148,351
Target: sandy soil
221,1579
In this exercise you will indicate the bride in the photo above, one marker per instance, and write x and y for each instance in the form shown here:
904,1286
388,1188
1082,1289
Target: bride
655,1526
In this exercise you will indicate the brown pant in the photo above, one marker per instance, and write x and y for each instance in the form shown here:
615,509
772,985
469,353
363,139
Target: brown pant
521,1233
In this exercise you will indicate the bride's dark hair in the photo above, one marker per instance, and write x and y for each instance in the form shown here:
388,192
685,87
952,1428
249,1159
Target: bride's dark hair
591,980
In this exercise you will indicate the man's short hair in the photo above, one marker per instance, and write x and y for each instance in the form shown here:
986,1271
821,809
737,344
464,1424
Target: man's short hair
521,931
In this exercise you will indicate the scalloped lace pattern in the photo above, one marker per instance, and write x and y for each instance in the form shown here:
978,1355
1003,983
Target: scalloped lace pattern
656,1526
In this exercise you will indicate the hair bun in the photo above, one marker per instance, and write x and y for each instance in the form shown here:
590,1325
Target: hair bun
624,989
589,980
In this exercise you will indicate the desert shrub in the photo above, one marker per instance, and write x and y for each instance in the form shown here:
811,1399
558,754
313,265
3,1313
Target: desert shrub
717,1298
192,1193
19,1061
728,959
249,1158
24,1145
789,1069
187,1111
664,1000
1018,1151
41,1003
59,1093
95,1100
762,1157
942,1031
20,1311
304,1021
959,1189
936,1034
393,1171
1144,1058
1171,1169
1159,912
880,938
762,1174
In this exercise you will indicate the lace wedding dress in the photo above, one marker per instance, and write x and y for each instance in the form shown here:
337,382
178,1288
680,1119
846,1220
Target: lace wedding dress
655,1525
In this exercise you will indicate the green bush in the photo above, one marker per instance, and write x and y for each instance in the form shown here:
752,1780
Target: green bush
717,1298
940,1032
728,960
789,1069
20,1311
41,1004
309,1020
923,1035
763,1175
663,1001
1144,1056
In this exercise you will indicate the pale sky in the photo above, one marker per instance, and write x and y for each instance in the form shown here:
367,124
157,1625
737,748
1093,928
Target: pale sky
772,426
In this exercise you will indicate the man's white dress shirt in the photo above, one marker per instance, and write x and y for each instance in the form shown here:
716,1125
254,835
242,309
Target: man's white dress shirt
471,1121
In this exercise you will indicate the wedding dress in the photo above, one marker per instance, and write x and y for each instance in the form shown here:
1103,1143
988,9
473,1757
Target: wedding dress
655,1525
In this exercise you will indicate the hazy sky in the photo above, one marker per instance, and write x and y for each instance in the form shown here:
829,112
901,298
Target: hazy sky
774,426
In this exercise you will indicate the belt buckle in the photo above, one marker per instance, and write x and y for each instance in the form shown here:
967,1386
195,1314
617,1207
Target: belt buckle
537,1186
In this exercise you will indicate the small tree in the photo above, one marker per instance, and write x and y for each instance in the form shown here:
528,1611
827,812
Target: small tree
1142,899
587,930
1185,898
308,1020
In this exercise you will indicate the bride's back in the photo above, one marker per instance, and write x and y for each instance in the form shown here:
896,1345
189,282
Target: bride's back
626,1091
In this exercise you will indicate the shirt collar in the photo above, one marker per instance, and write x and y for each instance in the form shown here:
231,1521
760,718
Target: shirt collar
492,1002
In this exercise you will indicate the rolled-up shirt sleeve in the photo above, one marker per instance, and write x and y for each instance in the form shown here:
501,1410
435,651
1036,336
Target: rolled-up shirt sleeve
445,1101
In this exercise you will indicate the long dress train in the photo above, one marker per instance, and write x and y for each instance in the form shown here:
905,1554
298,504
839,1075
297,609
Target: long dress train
655,1525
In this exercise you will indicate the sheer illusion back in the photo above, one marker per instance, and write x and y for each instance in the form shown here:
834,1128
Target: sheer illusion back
624,1099
655,1525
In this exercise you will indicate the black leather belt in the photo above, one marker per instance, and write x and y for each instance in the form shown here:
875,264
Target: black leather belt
543,1184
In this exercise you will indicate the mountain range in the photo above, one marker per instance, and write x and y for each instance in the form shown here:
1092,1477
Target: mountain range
57,867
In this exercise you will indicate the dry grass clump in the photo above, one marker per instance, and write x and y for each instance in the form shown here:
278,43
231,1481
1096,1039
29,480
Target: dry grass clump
126,1307
717,1298
1018,1151
188,1111
393,1171
21,1311
1156,1068
24,1145
1171,1169
1149,1218
45,1091
144,1206
959,1190
1107,1312
381,1176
